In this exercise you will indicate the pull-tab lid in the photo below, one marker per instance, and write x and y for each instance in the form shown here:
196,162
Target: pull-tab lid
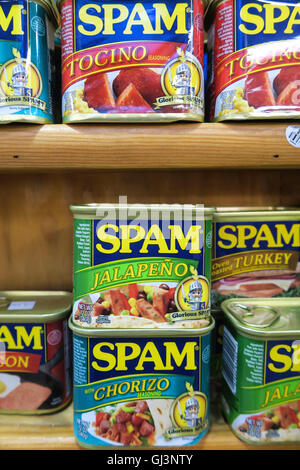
260,316
269,318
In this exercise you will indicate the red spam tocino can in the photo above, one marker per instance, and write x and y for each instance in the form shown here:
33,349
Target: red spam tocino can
132,61
35,362
254,57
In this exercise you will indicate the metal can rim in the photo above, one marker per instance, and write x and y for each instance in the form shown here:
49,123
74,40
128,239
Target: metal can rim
259,332
139,332
91,208
25,316
255,213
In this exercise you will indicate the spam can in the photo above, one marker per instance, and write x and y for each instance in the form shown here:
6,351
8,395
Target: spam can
261,369
254,59
140,388
27,57
255,253
142,266
131,61
35,361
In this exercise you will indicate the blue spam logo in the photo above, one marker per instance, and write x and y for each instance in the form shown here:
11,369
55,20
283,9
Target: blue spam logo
258,22
100,22
236,237
13,20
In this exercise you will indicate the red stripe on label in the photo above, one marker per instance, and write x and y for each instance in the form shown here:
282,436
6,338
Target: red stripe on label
111,57
19,362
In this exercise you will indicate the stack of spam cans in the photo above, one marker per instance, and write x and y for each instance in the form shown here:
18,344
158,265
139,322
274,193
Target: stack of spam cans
256,301
141,324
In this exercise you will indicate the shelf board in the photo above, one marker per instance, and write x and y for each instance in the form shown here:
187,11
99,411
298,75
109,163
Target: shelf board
55,432
244,145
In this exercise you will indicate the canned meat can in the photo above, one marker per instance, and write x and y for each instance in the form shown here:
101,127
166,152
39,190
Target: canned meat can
132,61
255,253
135,389
142,266
35,363
27,57
255,61
260,369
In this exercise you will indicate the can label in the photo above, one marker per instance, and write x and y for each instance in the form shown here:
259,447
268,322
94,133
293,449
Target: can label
141,392
255,259
26,57
256,62
142,273
35,373
131,58
261,400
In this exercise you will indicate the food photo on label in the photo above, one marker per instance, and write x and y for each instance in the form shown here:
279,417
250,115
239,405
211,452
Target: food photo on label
253,50
132,61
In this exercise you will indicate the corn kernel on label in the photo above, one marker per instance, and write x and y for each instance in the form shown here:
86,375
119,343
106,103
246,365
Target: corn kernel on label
149,274
26,51
131,58
255,51
141,391
261,400
255,259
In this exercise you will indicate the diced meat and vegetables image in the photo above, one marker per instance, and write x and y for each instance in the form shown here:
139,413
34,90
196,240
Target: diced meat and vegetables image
135,300
285,417
131,424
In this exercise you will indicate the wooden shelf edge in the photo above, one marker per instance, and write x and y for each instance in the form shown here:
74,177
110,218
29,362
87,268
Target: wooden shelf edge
244,145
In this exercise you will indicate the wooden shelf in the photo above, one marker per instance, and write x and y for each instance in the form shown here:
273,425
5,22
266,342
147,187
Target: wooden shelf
55,432
164,146
39,204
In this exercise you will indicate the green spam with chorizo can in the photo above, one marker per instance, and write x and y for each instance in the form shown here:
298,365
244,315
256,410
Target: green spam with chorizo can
27,57
261,369
141,325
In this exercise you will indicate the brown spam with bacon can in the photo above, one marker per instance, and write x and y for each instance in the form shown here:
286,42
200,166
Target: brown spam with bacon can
254,59
35,372
132,61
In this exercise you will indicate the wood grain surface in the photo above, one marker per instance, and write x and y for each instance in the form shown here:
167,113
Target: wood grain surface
151,146
37,225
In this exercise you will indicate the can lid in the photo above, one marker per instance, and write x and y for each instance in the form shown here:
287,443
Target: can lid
138,332
34,306
130,211
256,213
274,318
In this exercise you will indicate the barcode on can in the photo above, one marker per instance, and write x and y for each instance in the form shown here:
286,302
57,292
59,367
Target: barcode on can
229,360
